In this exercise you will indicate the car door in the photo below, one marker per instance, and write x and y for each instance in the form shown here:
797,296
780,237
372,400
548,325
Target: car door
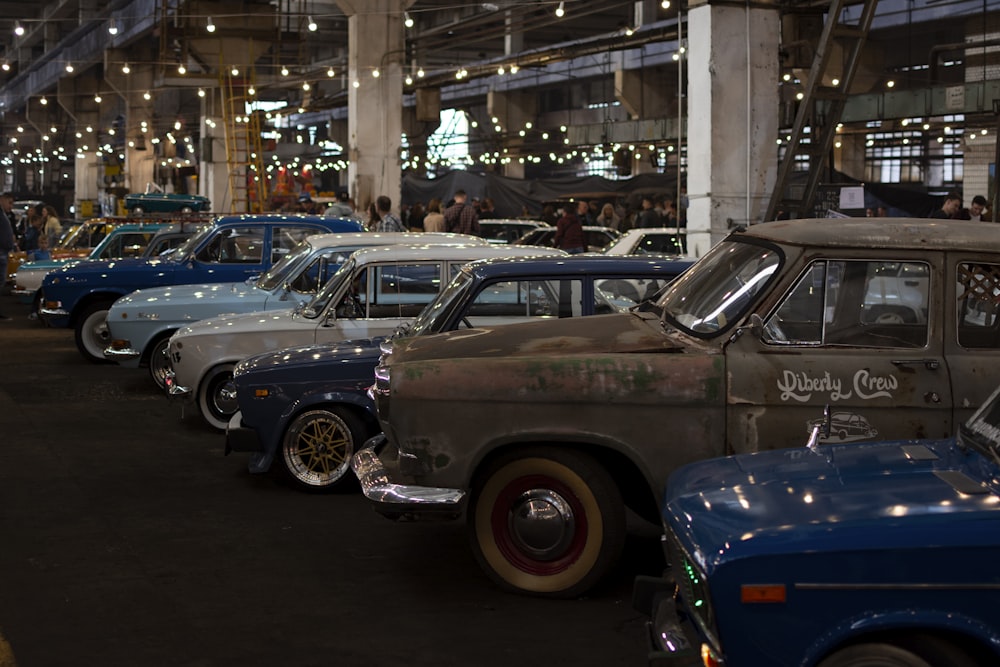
972,340
838,340
381,297
232,254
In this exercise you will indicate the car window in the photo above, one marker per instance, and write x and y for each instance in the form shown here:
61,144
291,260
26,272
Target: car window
978,300
393,290
857,303
658,244
235,245
126,244
512,300
284,238
626,292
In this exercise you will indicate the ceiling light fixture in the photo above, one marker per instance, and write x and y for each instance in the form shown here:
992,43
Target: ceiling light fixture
284,71
375,73
181,69
5,66
665,4
561,10
97,98
407,20
125,68
201,92
69,67
43,100
18,28
112,27
235,71
210,26
312,25
330,72
147,96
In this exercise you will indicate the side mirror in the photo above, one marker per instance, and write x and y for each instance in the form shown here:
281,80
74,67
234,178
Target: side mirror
755,327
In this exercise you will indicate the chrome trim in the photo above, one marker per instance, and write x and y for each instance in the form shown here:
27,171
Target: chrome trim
895,587
177,392
401,501
23,292
124,353
53,312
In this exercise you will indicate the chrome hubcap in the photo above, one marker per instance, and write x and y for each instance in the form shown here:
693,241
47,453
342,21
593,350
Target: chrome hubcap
225,398
541,524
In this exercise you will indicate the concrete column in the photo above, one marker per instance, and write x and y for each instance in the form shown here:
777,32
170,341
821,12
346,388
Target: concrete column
131,86
849,158
374,105
513,42
212,166
732,117
76,96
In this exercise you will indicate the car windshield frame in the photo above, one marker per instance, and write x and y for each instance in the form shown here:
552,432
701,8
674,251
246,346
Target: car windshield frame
315,307
186,249
709,299
442,307
282,270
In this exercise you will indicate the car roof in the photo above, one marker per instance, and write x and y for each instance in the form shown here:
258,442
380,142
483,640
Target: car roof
246,218
908,233
391,238
514,221
461,251
576,265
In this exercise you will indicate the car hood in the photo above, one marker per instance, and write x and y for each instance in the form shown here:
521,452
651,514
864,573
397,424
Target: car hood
242,323
196,299
622,333
882,495
91,268
46,265
311,355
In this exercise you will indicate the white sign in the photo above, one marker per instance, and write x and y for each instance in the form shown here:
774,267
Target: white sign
852,197
954,98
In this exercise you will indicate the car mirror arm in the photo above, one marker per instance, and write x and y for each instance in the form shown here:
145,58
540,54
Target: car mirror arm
820,429
755,327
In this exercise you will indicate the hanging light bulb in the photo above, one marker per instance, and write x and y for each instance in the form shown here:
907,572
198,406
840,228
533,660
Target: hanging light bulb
18,29
98,98
235,71
201,92
407,20
420,72
147,96
408,80
181,69
43,100
312,25
5,66
375,73
125,68
210,26
305,85
69,67
330,72
251,91
561,10
113,27
665,4
284,71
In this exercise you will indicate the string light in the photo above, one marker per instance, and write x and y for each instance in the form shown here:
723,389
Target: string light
97,98
284,71
69,67
44,100
312,25
125,68
235,71
147,96
407,20
18,29
201,92
210,26
113,27
375,73
330,72
181,69
665,4
561,10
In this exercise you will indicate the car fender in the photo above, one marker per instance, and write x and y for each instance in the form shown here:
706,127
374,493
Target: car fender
923,621
91,296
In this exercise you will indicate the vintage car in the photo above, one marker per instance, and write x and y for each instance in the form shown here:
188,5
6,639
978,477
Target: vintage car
834,555
310,404
234,248
128,240
165,202
374,292
649,241
140,323
507,231
596,237
580,421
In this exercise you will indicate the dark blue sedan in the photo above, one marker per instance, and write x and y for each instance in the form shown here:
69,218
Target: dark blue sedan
308,406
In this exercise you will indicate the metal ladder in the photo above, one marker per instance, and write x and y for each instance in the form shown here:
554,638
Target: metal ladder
820,109
244,150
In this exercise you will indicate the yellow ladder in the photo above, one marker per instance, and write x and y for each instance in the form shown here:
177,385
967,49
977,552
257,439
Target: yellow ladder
244,149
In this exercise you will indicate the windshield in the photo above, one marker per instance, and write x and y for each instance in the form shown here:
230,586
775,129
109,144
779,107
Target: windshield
183,253
982,430
330,289
717,291
286,266
435,314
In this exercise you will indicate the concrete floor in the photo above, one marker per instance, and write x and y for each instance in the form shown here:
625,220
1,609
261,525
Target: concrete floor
127,538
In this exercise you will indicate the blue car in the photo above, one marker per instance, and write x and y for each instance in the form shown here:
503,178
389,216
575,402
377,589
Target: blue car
834,555
308,406
235,248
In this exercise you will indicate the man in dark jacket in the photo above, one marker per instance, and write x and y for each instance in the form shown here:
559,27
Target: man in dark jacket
569,234
7,244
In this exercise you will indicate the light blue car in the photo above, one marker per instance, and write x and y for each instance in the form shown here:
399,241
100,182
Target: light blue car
141,323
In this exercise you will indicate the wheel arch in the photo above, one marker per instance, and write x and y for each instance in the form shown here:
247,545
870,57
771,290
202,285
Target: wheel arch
363,409
902,628
84,302
627,475
153,340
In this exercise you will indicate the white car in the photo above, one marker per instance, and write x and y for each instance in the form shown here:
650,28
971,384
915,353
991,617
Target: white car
649,241
373,293
141,323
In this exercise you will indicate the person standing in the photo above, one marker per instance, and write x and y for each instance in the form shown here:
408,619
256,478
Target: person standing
7,244
461,218
949,209
387,221
608,218
340,208
434,220
52,228
569,233
648,217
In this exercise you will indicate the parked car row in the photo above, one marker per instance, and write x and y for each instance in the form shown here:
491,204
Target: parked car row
457,380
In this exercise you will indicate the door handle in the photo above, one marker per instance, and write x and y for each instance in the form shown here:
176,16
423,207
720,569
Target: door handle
929,364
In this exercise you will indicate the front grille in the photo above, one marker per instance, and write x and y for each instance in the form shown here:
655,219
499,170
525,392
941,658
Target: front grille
693,588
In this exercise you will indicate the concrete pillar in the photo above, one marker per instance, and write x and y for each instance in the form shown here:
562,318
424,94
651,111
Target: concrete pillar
732,117
513,42
849,157
212,166
131,80
76,96
374,104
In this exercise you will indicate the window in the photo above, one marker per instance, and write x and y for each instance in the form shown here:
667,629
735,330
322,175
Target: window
283,239
858,303
397,290
978,295
511,300
237,245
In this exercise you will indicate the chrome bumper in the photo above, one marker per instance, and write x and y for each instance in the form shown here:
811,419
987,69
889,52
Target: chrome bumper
23,291
175,391
402,502
239,438
53,312
122,353
673,642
